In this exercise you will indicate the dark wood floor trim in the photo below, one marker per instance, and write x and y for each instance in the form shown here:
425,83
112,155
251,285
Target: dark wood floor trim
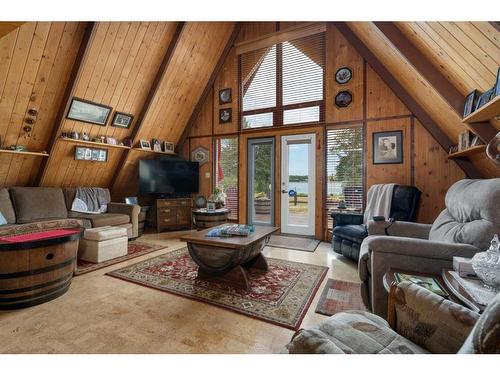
424,118
210,83
420,62
87,38
151,95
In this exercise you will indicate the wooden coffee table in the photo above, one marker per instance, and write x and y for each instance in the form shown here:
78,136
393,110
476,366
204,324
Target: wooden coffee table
227,259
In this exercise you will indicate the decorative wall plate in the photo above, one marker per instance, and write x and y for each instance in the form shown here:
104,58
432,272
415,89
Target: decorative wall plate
225,96
343,99
200,154
343,75
225,115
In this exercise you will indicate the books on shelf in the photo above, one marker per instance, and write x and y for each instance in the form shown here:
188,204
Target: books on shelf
429,283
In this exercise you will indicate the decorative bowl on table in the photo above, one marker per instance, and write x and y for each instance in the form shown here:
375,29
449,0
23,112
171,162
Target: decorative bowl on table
487,265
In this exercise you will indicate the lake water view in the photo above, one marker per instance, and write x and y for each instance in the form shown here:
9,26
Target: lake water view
301,187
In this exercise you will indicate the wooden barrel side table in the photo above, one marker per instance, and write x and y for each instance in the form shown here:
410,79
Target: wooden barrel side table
36,271
204,219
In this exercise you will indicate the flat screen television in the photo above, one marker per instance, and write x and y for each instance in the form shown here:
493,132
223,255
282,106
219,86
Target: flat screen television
168,177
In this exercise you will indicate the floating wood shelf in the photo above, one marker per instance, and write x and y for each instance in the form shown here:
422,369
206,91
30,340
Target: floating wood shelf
29,153
465,153
155,152
95,144
487,112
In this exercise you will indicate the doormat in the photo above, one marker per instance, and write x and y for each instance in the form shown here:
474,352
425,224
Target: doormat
294,243
339,296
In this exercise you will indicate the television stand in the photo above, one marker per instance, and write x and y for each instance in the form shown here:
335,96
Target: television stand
170,214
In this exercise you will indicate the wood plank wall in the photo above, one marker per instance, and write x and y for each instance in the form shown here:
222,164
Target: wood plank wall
425,164
122,61
35,64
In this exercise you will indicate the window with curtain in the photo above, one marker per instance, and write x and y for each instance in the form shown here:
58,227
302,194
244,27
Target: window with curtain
226,172
283,84
344,182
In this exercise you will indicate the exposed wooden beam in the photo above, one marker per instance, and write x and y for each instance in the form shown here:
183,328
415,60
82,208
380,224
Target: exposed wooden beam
7,27
425,67
88,36
210,83
495,24
426,120
151,94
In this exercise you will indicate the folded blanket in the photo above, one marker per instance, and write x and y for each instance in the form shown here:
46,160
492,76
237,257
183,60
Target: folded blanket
378,201
90,200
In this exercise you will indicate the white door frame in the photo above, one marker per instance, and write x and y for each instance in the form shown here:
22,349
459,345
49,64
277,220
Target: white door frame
308,230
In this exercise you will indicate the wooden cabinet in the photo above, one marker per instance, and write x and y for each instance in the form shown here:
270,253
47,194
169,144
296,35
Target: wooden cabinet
170,214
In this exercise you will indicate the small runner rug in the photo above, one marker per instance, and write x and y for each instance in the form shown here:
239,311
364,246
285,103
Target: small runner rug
280,295
294,243
339,296
135,249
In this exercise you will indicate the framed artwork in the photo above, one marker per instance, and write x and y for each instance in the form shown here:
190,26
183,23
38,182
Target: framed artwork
168,146
145,145
496,92
122,120
200,154
388,147
86,111
210,206
156,145
343,99
225,115
470,102
484,98
225,96
91,154
343,75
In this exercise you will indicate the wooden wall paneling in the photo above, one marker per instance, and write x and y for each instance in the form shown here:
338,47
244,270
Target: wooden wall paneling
228,38
227,78
434,174
340,54
206,172
204,122
416,93
388,173
380,99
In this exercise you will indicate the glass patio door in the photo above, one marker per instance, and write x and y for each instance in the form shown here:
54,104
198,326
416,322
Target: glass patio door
261,181
298,180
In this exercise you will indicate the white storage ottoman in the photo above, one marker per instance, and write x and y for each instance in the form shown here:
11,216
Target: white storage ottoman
104,243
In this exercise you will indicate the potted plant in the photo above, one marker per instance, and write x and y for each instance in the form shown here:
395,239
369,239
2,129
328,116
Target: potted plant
218,197
262,203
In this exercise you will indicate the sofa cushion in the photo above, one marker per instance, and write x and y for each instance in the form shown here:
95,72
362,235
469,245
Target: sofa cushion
13,229
101,220
354,233
38,203
352,332
6,207
69,196
472,214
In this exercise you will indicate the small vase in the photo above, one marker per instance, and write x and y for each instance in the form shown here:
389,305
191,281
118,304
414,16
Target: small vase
487,265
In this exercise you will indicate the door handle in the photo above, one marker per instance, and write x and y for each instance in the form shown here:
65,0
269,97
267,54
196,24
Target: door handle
284,191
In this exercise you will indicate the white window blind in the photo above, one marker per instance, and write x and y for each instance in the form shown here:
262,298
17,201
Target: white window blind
283,84
226,172
344,183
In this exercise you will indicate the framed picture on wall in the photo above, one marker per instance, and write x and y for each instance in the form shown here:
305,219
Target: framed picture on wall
122,120
86,111
388,147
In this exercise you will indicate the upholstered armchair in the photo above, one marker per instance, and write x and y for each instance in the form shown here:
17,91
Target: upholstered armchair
464,227
349,230
420,322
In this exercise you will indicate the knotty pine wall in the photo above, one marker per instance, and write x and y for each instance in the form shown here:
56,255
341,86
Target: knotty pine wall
375,106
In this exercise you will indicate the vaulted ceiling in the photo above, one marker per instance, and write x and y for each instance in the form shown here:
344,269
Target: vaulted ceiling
161,71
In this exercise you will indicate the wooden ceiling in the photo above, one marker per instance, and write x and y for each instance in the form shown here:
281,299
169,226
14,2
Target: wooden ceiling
158,71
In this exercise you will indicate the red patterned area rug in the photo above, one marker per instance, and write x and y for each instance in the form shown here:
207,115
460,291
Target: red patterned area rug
339,296
135,249
280,295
